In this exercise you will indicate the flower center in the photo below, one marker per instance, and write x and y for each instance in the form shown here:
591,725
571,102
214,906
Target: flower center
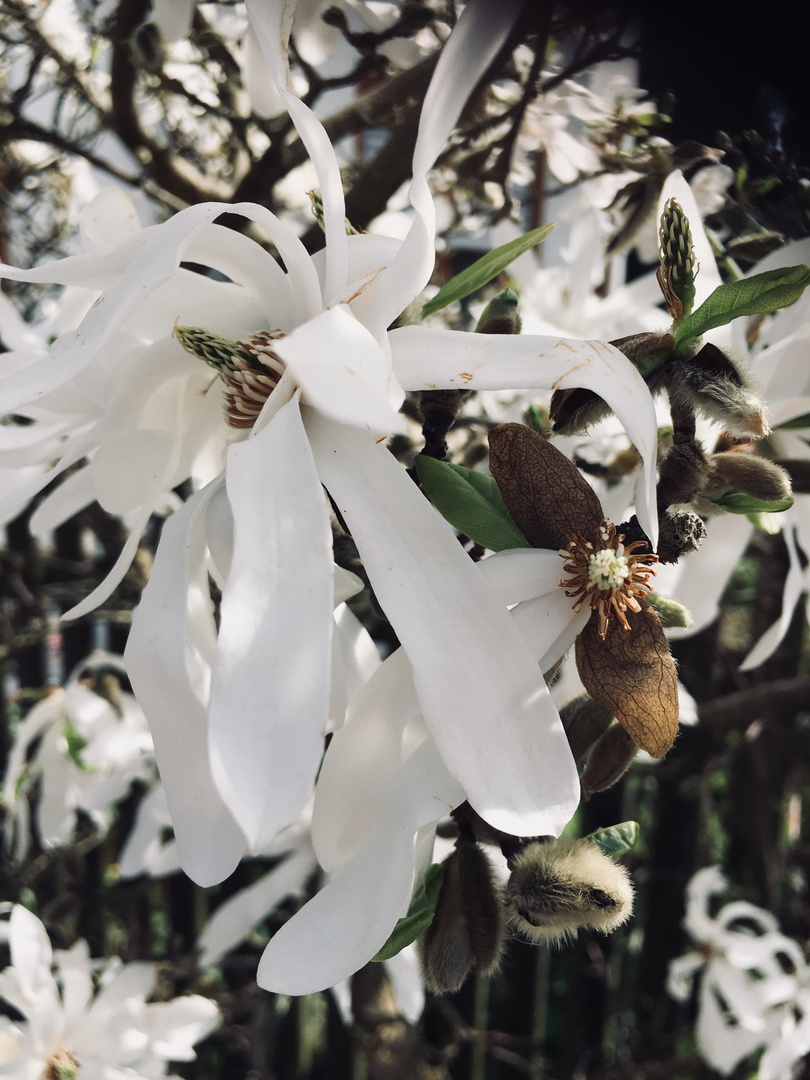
61,1065
249,369
610,576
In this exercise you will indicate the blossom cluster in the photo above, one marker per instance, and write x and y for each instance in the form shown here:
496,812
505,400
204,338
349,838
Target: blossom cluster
264,387
754,983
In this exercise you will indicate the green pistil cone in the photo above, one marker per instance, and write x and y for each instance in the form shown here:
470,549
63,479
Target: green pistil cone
316,201
676,274
219,352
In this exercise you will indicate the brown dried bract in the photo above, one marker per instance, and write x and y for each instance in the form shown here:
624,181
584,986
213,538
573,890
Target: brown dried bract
545,494
633,675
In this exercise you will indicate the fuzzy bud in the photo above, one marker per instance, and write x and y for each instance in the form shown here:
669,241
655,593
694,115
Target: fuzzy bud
752,475
717,386
558,887
468,930
670,612
609,760
500,316
584,720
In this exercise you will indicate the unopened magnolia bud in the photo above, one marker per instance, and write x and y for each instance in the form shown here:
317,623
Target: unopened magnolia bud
468,930
575,409
677,270
715,385
646,351
609,760
584,720
752,475
670,613
500,316
558,887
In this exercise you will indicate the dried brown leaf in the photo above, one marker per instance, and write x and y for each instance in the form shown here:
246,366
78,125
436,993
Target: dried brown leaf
633,674
544,492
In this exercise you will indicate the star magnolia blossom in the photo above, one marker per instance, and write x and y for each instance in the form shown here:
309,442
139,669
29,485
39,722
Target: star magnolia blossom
87,756
238,713
74,1026
754,980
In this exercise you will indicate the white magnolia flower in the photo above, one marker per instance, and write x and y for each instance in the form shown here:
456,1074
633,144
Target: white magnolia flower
87,754
749,976
77,1023
238,714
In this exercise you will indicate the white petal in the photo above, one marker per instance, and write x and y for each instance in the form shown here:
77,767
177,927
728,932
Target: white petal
367,748
474,43
168,678
270,684
428,359
700,578
482,695
522,573
350,919
272,21
342,370
722,1044
794,587
232,921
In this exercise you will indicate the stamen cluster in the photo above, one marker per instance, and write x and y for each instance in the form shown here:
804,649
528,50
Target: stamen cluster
612,577
250,369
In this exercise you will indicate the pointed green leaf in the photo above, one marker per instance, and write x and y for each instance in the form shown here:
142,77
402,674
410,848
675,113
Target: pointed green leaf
796,424
471,502
737,502
420,914
484,270
616,840
751,296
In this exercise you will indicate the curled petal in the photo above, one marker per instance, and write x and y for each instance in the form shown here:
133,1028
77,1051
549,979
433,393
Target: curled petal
169,676
350,919
474,666
270,690
428,359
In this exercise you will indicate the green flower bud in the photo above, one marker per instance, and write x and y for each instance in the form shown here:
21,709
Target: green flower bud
500,316
670,612
676,274
316,202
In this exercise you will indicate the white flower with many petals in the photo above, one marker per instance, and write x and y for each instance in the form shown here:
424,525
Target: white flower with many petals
238,712
750,975
87,752
82,1019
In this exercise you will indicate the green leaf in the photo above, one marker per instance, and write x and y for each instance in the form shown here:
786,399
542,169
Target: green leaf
420,914
471,502
75,744
616,840
795,424
751,296
737,502
484,270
